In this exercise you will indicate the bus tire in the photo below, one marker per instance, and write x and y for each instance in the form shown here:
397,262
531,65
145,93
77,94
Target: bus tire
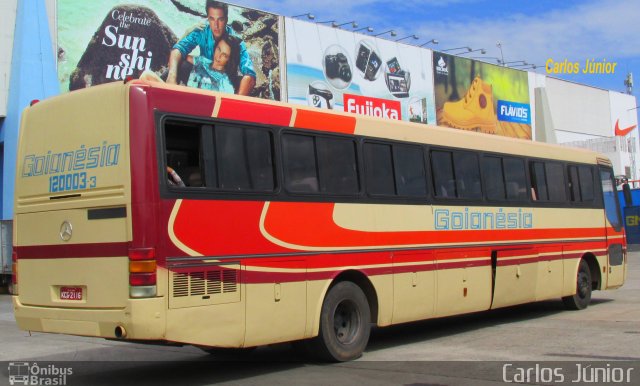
344,324
582,297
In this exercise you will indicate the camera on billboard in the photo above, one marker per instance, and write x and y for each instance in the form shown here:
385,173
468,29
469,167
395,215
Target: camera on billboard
320,96
398,81
368,61
337,66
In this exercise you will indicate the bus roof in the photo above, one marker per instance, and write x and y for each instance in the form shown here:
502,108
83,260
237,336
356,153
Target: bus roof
391,129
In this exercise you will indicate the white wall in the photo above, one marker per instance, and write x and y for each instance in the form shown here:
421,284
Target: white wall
7,26
578,108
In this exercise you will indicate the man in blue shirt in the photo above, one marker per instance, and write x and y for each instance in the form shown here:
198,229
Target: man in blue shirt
206,38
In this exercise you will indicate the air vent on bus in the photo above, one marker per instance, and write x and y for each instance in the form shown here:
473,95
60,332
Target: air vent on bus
205,282
205,285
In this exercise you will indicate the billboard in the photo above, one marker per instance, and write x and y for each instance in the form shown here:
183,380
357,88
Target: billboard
483,97
225,48
336,69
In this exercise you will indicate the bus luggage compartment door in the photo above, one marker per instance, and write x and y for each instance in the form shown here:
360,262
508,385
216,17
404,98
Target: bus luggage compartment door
516,276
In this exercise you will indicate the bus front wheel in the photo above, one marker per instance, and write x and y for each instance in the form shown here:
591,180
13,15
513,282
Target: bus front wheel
344,324
582,297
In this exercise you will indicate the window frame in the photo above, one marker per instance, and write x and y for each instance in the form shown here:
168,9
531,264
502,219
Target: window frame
280,194
393,146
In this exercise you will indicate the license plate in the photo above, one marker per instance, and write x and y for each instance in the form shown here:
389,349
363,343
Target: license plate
70,293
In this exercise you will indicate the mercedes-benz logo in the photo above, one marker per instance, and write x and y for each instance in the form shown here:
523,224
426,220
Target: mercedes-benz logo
66,231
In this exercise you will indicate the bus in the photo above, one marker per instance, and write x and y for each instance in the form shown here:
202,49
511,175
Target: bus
157,213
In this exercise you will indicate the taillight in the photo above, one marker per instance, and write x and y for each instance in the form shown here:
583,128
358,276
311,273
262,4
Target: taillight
142,279
14,271
142,273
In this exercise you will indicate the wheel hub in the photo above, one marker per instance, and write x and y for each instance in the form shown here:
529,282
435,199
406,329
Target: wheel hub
346,321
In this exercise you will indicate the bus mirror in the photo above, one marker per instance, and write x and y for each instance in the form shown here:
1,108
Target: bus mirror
626,190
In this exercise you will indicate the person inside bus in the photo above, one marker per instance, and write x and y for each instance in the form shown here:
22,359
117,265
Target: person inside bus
173,178
207,37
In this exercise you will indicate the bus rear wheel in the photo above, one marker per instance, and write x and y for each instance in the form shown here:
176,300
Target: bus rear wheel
344,324
582,297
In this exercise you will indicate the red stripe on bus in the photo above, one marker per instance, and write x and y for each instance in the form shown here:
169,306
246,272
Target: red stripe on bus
317,120
181,102
371,264
218,228
73,250
464,264
255,112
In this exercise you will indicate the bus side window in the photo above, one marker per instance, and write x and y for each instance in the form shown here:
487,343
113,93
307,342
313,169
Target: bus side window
183,153
442,174
467,175
538,181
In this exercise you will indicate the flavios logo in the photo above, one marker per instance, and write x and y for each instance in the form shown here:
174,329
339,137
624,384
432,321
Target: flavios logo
441,67
25,373
514,112
374,107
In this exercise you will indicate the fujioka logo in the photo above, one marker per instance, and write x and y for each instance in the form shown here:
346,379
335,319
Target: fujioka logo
375,107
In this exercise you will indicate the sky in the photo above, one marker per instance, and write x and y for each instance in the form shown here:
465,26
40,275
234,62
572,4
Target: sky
531,31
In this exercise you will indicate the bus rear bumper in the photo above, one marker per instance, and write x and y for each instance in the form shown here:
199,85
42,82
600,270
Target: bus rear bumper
141,319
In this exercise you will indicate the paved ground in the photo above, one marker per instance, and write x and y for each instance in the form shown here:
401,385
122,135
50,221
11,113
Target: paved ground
431,352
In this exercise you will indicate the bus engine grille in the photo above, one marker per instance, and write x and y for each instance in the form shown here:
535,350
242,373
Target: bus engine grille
212,284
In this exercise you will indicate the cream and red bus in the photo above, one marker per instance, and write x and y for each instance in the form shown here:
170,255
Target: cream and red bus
154,213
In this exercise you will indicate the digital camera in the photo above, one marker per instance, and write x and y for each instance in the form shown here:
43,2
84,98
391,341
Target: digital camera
368,61
398,80
337,66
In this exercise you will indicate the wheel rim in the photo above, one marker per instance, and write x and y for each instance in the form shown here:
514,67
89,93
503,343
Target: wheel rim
346,322
583,285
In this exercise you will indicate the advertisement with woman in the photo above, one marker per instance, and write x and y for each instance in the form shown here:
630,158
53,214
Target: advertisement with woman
336,69
199,43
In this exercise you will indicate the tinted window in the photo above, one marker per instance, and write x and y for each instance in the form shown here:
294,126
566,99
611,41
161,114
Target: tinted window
379,169
244,159
300,167
586,183
467,174
442,171
493,178
337,164
548,181
581,184
515,179
539,181
574,184
409,170
555,181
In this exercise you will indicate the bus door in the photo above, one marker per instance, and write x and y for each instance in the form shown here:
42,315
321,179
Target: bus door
614,229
